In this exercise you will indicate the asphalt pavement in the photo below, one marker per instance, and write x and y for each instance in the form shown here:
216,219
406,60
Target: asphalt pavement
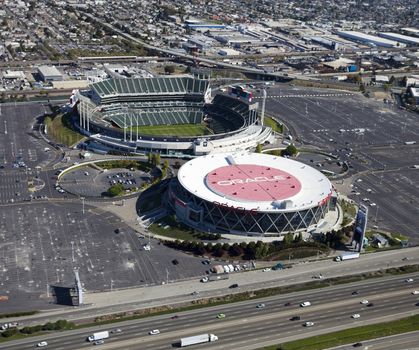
370,136
248,327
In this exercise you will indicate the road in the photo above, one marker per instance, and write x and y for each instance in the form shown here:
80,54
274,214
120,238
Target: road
180,292
408,341
248,327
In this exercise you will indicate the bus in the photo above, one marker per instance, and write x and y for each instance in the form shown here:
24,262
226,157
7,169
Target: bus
240,92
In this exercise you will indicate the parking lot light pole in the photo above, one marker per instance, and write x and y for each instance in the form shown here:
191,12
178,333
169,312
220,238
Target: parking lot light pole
72,250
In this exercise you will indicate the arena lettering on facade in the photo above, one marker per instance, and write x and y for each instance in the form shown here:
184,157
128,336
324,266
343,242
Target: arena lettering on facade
250,180
233,208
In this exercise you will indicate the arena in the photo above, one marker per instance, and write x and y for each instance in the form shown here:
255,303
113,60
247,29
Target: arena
250,194
171,115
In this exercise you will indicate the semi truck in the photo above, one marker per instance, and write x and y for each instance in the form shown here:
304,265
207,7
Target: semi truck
98,336
197,339
347,256
222,276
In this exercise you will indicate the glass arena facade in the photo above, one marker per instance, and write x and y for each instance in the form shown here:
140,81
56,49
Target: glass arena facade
249,194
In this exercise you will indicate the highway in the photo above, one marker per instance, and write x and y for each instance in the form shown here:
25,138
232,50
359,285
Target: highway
247,327
97,304
399,341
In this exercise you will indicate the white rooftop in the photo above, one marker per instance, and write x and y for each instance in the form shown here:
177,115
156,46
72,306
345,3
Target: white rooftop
401,37
48,71
299,186
368,37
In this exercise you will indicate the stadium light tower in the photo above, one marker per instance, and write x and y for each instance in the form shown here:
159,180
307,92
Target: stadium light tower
262,114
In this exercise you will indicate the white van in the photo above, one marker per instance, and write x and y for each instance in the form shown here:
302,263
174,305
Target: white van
306,303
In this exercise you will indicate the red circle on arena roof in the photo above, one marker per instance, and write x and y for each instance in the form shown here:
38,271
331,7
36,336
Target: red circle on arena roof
252,183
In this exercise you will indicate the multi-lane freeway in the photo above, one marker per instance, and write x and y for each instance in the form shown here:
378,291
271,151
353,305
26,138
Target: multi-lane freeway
248,327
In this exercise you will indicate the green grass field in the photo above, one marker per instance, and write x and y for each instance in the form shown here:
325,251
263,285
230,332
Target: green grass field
61,130
171,130
277,127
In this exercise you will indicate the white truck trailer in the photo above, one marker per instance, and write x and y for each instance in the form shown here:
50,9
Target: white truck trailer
98,336
197,339
347,256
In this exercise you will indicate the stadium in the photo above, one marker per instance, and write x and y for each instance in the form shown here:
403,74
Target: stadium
249,194
171,115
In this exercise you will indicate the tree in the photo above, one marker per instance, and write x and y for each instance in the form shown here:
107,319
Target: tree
290,151
259,148
157,159
165,164
169,69
235,250
115,190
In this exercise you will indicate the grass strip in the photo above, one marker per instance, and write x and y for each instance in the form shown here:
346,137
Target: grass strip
61,130
352,335
19,314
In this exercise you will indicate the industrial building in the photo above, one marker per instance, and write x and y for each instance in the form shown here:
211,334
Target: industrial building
369,39
408,40
49,73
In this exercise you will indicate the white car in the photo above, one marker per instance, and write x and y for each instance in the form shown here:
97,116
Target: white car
306,303
204,279
356,316
266,269
260,306
373,205
364,302
147,247
42,344
415,292
154,332
309,324
409,280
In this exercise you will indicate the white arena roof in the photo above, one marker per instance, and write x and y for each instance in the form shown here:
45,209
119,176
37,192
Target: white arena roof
254,181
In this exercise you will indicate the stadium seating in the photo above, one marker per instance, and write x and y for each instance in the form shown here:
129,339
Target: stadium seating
114,90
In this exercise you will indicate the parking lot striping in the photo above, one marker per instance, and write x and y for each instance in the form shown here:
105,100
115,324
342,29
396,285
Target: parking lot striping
305,95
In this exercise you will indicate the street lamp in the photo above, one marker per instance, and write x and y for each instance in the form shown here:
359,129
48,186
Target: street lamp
82,201
72,250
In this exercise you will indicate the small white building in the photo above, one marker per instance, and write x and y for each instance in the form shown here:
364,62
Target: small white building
229,52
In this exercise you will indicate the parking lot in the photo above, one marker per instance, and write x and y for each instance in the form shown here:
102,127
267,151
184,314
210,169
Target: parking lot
42,243
370,136
92,182
17,147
